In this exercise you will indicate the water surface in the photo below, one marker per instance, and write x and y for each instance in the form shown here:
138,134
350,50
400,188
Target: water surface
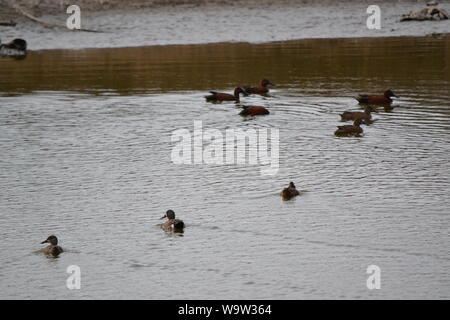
86,141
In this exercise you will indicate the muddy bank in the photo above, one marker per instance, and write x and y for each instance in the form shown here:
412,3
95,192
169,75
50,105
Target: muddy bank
191,24
39,7
218,21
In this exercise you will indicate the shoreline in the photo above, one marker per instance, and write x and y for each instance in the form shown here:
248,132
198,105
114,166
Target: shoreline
440,35
59,6
220,22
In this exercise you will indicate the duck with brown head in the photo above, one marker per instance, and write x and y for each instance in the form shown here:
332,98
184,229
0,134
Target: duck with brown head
384,99
262,88
17,47
52,249
254,111
220,96
366,115
172,224
350,130
289,192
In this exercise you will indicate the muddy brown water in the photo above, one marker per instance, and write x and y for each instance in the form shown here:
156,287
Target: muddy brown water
86,155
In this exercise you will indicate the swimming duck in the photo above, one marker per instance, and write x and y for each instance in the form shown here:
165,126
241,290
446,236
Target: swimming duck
172,224
366,115
253,111
17,47
384,99
219,96
289,192
261,89
53,249
350,130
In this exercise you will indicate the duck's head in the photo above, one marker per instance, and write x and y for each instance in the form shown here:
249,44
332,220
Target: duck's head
238,90
358,122
170,214
52,240
266,82
389,93
291,185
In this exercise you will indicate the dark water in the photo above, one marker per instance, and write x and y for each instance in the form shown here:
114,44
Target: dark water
86,143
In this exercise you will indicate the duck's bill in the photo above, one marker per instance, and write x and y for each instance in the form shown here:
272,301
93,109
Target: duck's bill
46,241
272,84
396,96
164,216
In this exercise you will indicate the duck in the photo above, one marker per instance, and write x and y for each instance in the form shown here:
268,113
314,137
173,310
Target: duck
261,89
172,224
350,130
366,115
384,99
219,96
17,47
289,192
52,249
254,111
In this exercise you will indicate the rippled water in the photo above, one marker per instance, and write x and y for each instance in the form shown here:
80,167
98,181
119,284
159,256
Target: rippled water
86,142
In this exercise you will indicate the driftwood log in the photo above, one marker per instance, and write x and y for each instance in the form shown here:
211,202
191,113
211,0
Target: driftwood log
426,14
8,23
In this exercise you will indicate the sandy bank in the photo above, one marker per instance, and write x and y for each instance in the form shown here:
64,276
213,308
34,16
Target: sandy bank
39,7
217,21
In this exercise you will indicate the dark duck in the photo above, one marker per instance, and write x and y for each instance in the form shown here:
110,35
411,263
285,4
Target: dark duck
262,88
384,99
254,111
52,249
350,130
220,96
289,192
172,224
17,47
366,115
